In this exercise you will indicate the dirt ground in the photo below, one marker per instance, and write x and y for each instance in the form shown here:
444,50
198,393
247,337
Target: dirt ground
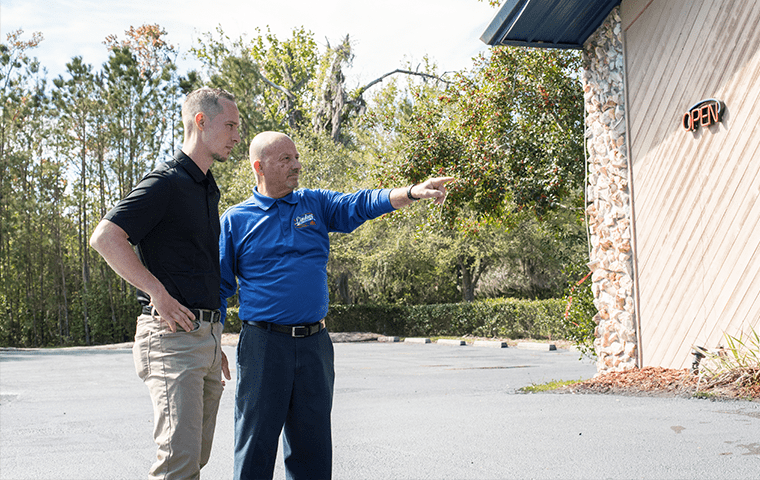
664,382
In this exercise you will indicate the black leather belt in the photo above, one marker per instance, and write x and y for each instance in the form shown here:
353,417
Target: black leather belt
201,315
295,331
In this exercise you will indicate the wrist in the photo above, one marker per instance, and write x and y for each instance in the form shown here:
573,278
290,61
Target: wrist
409,194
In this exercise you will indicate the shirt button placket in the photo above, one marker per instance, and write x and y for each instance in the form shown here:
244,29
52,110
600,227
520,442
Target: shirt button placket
282,210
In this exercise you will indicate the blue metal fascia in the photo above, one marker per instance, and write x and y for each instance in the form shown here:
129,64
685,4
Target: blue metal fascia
547,23
502,22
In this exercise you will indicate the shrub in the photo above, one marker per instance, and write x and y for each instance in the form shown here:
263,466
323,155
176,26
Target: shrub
578,317
505,318
738,364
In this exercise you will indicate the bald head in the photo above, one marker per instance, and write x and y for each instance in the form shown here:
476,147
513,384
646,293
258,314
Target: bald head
264,144
275,162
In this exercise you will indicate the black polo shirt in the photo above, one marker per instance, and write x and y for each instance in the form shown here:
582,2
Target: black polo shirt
172,216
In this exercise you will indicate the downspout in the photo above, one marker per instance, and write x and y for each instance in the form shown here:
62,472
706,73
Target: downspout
634,243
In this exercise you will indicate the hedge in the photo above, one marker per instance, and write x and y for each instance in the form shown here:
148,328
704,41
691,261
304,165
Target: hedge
502,318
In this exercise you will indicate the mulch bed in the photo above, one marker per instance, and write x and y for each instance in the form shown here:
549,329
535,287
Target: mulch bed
668,382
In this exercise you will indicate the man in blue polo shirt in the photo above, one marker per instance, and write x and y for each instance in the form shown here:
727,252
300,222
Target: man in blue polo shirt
172,218
275,245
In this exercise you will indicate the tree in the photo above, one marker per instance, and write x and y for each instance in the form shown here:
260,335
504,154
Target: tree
512,131
294,85
238,66
137,126
76,102
535,259
141,91
22,136
509,130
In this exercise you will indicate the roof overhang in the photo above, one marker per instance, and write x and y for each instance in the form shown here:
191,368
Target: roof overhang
547,23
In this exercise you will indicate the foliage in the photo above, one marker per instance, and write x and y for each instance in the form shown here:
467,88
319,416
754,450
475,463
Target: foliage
73,146
141,102
391,261
27,290
580,311
738,364
511,132
229,64
498,318
536,259
70,151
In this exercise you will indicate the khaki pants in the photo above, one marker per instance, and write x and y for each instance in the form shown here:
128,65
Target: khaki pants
183,374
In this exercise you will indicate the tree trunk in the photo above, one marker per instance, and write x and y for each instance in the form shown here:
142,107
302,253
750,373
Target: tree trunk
83,248
343,292
468,286
471,269
65,331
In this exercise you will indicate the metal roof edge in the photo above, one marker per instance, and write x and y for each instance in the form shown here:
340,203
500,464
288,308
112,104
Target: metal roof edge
509,15
494,30
562,46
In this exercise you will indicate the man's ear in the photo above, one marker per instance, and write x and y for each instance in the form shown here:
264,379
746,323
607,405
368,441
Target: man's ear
200,121
257,166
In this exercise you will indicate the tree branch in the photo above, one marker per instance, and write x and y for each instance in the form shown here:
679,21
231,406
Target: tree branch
284,90
366,87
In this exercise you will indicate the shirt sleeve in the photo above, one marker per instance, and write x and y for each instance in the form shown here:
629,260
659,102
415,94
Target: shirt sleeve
228,263
347,211
143,208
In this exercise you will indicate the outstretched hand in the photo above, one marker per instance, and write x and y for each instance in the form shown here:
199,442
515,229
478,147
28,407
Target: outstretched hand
432,188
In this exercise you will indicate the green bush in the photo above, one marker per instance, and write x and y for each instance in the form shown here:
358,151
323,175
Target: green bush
232,323
578,317
503,318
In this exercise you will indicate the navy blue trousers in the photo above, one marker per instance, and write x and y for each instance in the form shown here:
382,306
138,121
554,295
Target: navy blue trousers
284,384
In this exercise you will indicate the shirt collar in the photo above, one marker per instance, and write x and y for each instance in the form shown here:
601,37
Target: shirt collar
190,166
265,203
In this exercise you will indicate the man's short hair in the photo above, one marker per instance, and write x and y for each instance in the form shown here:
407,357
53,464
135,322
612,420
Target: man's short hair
206,100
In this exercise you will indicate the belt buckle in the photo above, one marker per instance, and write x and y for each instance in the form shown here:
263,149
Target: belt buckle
213,315
296,335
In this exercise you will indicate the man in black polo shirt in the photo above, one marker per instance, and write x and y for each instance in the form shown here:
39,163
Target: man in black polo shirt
172,218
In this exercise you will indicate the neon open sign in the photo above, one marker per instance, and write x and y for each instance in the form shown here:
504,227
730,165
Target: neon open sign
703,114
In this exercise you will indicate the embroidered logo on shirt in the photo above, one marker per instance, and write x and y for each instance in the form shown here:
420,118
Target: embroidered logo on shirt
305,220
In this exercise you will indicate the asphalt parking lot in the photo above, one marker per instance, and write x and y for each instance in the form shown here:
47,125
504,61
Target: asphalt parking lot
401,411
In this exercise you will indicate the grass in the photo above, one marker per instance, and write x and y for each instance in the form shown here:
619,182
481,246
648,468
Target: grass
548,387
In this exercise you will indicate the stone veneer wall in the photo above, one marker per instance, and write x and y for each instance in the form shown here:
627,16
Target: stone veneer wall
609,198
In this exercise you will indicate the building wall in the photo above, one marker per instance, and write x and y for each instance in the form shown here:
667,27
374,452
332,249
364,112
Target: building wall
695,194
608,196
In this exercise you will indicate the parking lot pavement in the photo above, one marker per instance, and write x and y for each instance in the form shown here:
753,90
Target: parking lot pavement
402,411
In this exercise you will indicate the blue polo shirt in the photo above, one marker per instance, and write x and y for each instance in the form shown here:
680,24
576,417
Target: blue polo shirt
277,250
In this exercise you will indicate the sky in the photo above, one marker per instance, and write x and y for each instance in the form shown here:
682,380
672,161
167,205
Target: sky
385,34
